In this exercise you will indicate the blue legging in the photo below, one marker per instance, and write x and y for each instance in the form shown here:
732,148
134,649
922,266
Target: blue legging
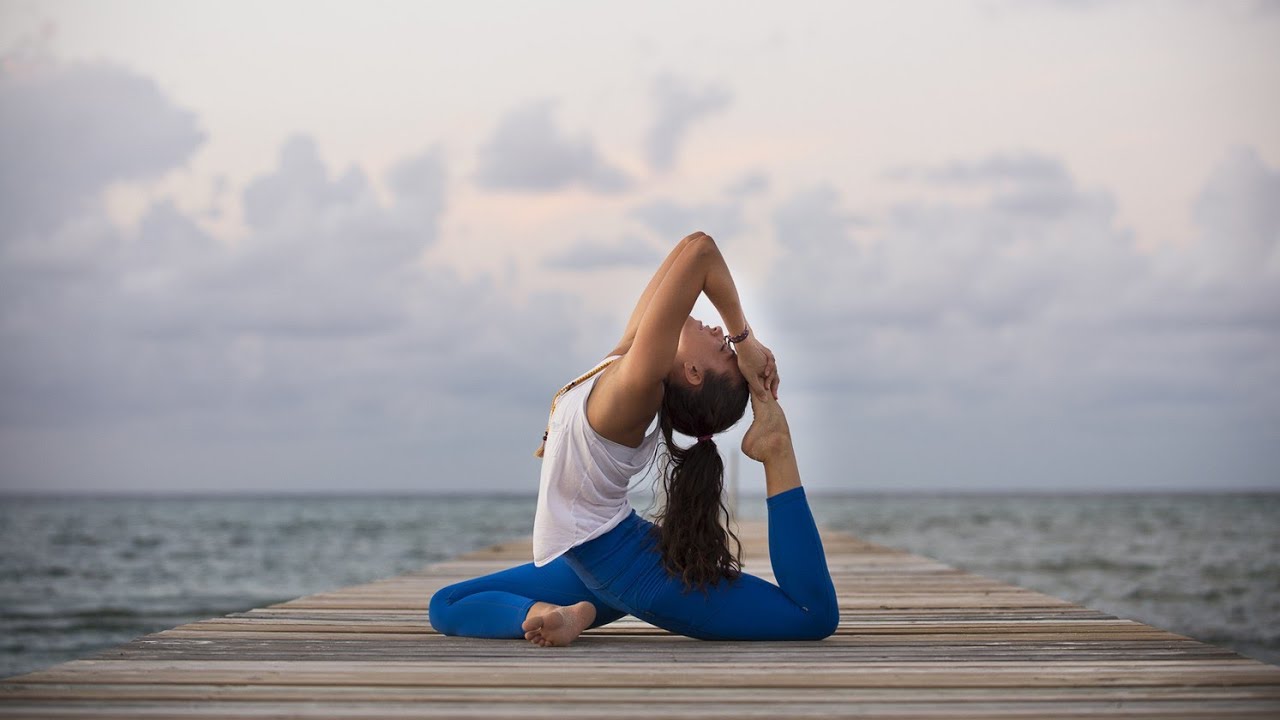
621,573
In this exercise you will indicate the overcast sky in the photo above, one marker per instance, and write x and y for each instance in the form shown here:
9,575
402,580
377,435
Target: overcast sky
306,246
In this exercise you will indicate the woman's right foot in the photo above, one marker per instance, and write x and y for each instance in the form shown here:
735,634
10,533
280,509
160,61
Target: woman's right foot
560,625
769,437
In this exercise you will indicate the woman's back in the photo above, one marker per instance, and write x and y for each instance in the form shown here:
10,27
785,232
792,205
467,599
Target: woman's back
582,491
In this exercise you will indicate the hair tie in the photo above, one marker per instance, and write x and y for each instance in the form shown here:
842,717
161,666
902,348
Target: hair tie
704,437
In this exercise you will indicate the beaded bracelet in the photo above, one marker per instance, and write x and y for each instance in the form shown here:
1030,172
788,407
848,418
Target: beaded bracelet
740,336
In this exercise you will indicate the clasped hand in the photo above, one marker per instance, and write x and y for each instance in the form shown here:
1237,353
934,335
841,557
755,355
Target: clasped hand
759,367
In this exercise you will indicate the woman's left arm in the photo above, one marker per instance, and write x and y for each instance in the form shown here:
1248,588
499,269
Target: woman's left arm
699,269
629,334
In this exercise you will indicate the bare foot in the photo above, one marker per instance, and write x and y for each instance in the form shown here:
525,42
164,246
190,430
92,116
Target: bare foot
769,436
560,625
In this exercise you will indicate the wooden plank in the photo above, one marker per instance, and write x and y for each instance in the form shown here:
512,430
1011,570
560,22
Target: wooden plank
708,695
647,633
917,638
569,709
553,671
377,649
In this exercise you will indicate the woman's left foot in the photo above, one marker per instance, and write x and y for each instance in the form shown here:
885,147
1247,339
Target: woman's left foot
559,626
769,436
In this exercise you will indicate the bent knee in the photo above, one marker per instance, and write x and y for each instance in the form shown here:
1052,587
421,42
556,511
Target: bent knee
438,611
823,623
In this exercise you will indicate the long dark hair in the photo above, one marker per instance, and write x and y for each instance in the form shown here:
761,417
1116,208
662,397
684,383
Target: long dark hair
693,541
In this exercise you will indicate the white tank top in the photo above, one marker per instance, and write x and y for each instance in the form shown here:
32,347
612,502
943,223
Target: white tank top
582,493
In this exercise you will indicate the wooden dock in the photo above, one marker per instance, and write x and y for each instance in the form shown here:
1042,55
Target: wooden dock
917,639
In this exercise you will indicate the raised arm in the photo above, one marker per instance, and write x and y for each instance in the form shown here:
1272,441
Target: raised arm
696,269
629,335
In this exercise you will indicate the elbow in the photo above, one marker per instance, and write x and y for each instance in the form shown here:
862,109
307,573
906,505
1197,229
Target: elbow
697,238
701,244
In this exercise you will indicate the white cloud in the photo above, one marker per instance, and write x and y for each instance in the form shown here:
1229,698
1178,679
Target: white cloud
1029,311
70,130
528,152
319,339
999,325
299,185
1238,212
679,104
670,219
588,254
752,183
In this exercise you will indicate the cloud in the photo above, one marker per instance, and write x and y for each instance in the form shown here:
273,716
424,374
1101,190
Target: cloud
1028,314
299,185
1022,169
678,105
998,326
812,219
1228,280
753,183
587,254
528,152
1239,210
320,338
316,348
70,130
671,220
1026,183
1002,262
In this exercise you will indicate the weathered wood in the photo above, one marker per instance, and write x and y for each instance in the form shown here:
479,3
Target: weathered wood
275,648
917,638
700,695
722,671
570,709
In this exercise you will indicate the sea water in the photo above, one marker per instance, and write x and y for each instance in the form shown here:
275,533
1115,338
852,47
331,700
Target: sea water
79,575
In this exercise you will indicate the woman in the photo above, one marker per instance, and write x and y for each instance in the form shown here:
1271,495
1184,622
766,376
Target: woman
595,558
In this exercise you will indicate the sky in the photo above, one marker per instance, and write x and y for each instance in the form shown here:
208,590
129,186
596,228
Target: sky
301,247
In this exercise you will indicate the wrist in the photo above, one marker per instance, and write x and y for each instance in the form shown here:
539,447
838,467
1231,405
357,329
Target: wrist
742,336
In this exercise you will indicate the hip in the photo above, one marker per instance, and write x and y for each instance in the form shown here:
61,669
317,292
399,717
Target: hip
615,560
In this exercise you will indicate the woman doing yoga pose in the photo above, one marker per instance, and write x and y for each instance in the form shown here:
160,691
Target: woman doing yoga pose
595,559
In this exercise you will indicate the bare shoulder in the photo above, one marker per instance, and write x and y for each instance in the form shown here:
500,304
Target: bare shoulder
620,408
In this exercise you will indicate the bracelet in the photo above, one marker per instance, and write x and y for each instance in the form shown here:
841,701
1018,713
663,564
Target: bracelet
740,336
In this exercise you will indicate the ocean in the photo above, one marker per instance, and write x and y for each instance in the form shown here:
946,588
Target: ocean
79,575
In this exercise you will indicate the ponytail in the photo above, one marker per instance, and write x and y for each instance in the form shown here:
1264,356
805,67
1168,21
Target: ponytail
692,538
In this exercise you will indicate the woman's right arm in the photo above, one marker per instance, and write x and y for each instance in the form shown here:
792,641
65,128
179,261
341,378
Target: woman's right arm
697,269
629,334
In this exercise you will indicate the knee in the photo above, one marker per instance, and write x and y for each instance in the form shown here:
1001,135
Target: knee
831,621
438,611
824,623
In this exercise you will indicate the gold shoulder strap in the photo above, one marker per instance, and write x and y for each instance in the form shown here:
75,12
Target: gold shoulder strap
577,381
